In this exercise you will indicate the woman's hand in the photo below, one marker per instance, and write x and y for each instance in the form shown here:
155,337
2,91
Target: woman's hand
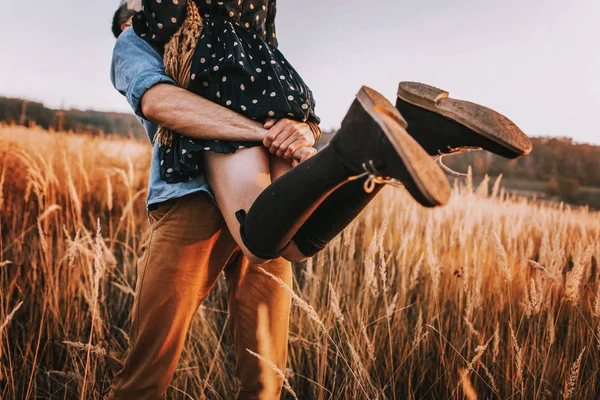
303,154
286,136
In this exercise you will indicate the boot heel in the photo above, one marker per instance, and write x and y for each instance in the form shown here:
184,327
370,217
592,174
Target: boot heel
492,131
404,159
421,94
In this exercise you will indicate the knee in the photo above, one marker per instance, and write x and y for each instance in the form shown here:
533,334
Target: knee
297,258
293,254
254,259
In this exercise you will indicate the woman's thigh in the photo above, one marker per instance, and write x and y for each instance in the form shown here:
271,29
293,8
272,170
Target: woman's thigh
237,180
279,166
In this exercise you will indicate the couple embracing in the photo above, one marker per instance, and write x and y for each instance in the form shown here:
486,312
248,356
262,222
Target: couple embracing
235,181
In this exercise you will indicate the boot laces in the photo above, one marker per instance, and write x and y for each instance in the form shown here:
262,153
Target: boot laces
452,151
374,178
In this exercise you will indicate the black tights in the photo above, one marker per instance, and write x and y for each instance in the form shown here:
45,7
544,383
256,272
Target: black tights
311,205
333,216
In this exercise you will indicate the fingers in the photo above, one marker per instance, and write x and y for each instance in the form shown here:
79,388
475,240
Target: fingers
274,131
269,123
292,137
302,155
296,145
309,154
286,133
286,136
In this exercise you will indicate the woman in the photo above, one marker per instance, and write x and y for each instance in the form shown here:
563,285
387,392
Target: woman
226,52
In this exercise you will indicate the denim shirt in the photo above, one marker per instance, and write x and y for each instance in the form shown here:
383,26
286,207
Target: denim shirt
136,67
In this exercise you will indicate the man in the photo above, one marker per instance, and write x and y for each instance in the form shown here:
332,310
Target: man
122,18
188,244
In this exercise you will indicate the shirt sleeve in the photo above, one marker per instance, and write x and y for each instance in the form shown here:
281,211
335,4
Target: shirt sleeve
270,24
136,67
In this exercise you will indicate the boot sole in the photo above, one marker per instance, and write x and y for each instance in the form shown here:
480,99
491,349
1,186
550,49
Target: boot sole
431,187
482,120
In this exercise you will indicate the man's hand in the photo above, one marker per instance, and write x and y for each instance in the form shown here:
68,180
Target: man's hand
286,136
303,154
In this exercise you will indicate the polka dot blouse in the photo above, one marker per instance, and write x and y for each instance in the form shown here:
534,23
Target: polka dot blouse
236,64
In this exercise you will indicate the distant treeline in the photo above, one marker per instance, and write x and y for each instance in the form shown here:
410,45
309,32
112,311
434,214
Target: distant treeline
551,159
557,161
31,113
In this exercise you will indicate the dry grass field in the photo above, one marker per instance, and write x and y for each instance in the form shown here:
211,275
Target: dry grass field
491,297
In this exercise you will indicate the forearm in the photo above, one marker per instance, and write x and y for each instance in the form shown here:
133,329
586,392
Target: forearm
193,116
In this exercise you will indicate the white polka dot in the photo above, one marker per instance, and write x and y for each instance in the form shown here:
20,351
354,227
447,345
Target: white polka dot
224,79
216,68
273,62
174,20
202,60
193,76
291,98
252,78
209,45
271,114
273,94
258,70
218,94
269,78
243,108
205,84
168,151
160,26
282,78
183,151
207,148
228,102
254,101
242,86
305,106
170,170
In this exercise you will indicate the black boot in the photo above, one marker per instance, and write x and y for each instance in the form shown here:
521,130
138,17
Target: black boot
372,145
443,125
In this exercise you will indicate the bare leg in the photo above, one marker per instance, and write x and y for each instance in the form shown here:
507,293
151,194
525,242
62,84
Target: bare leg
237,180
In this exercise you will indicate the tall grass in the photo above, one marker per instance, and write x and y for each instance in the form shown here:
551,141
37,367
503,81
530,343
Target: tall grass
490,297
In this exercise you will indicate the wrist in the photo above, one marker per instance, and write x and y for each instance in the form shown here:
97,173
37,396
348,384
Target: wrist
316,130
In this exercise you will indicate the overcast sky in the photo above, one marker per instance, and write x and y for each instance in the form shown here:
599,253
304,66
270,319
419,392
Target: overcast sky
537,61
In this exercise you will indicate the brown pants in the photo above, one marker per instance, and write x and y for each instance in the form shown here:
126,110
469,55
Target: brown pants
187,248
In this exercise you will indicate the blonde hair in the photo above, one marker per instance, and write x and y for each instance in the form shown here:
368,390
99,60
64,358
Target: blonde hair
178,58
